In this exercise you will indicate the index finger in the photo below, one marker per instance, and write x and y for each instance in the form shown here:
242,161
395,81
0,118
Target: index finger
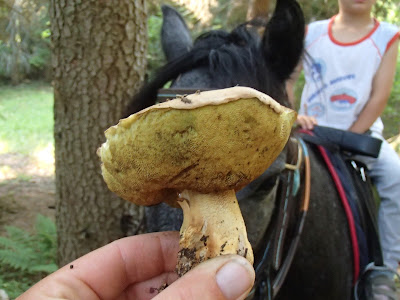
111,269
108,271
129,260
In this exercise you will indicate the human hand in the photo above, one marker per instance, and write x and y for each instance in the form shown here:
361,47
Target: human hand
135,267
306,122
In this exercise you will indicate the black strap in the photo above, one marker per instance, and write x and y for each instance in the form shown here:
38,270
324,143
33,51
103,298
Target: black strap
363,144
363,187
269,279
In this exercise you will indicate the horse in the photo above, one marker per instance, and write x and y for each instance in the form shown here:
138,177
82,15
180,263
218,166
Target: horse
262,56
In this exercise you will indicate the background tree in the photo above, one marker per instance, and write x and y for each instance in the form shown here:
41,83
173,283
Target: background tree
201,9
98,62
258,8
24,40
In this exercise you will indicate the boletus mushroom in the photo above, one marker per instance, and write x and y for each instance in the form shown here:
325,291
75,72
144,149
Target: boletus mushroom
194,152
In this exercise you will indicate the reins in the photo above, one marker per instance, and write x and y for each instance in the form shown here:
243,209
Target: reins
272,269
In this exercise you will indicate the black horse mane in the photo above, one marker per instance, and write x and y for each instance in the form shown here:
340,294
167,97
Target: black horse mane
232,59
241,57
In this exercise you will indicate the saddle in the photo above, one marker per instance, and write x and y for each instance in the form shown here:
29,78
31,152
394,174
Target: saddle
347,141
372,278
338,148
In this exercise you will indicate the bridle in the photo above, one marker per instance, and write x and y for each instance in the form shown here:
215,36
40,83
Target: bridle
273,266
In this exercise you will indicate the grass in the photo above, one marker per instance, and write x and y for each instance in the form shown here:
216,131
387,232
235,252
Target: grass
26,118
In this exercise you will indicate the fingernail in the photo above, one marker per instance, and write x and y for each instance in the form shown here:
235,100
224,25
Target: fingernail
235,278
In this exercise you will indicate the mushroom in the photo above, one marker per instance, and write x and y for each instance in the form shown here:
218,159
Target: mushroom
195,152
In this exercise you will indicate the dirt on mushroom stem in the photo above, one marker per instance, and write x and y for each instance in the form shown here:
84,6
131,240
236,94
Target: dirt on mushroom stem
212,226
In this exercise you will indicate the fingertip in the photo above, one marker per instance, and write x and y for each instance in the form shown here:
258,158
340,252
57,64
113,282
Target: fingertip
235,278
224,277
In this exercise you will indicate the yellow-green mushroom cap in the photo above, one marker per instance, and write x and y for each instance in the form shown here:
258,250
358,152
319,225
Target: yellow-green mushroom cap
206,142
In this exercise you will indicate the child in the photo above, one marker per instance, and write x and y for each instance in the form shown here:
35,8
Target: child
349,75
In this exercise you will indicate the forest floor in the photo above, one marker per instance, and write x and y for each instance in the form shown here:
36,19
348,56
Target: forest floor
26,189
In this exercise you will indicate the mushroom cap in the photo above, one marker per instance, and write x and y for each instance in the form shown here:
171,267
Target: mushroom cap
207,142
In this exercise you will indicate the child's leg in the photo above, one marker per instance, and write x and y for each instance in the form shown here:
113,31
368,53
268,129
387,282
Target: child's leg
385,172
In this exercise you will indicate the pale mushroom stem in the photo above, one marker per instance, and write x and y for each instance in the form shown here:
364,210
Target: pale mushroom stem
212,225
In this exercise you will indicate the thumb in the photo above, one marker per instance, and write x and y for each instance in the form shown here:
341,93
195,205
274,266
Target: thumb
229,277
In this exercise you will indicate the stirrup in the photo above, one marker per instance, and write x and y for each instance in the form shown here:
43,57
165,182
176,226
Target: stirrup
376,282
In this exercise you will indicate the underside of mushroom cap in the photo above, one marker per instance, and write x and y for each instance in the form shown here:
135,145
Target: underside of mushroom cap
207,142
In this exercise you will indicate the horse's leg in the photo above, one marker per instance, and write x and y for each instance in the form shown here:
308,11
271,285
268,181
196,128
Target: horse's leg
323,266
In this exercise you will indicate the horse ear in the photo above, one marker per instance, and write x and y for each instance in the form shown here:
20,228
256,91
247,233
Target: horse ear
283,39
175,35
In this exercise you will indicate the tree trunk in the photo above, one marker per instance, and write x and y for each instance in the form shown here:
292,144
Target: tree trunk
15,43
258,9
98,63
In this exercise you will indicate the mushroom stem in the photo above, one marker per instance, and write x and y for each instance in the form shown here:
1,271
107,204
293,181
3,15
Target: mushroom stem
212,225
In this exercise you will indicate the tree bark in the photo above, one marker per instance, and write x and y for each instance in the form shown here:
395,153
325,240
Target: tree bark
15,43
98,63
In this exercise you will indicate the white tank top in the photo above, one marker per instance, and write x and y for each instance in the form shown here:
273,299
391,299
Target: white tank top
339,75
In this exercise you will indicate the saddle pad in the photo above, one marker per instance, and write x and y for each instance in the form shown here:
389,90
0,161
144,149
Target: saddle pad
347,182
344,182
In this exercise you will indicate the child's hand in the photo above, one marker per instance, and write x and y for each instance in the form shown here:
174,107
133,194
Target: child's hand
306,122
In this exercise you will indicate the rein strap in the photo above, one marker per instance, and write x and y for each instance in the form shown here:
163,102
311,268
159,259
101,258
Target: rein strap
270,271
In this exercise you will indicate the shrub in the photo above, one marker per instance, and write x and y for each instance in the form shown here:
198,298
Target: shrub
25,258
155,56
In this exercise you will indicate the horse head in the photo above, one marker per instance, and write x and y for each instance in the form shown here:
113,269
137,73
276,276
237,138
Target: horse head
219,59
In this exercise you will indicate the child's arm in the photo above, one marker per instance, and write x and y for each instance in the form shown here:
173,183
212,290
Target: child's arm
304,121
381,87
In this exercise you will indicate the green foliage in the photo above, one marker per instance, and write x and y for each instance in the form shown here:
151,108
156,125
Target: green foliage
155,56
15,287
318,9
26,258
387,10
24,40
391,114
228,14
